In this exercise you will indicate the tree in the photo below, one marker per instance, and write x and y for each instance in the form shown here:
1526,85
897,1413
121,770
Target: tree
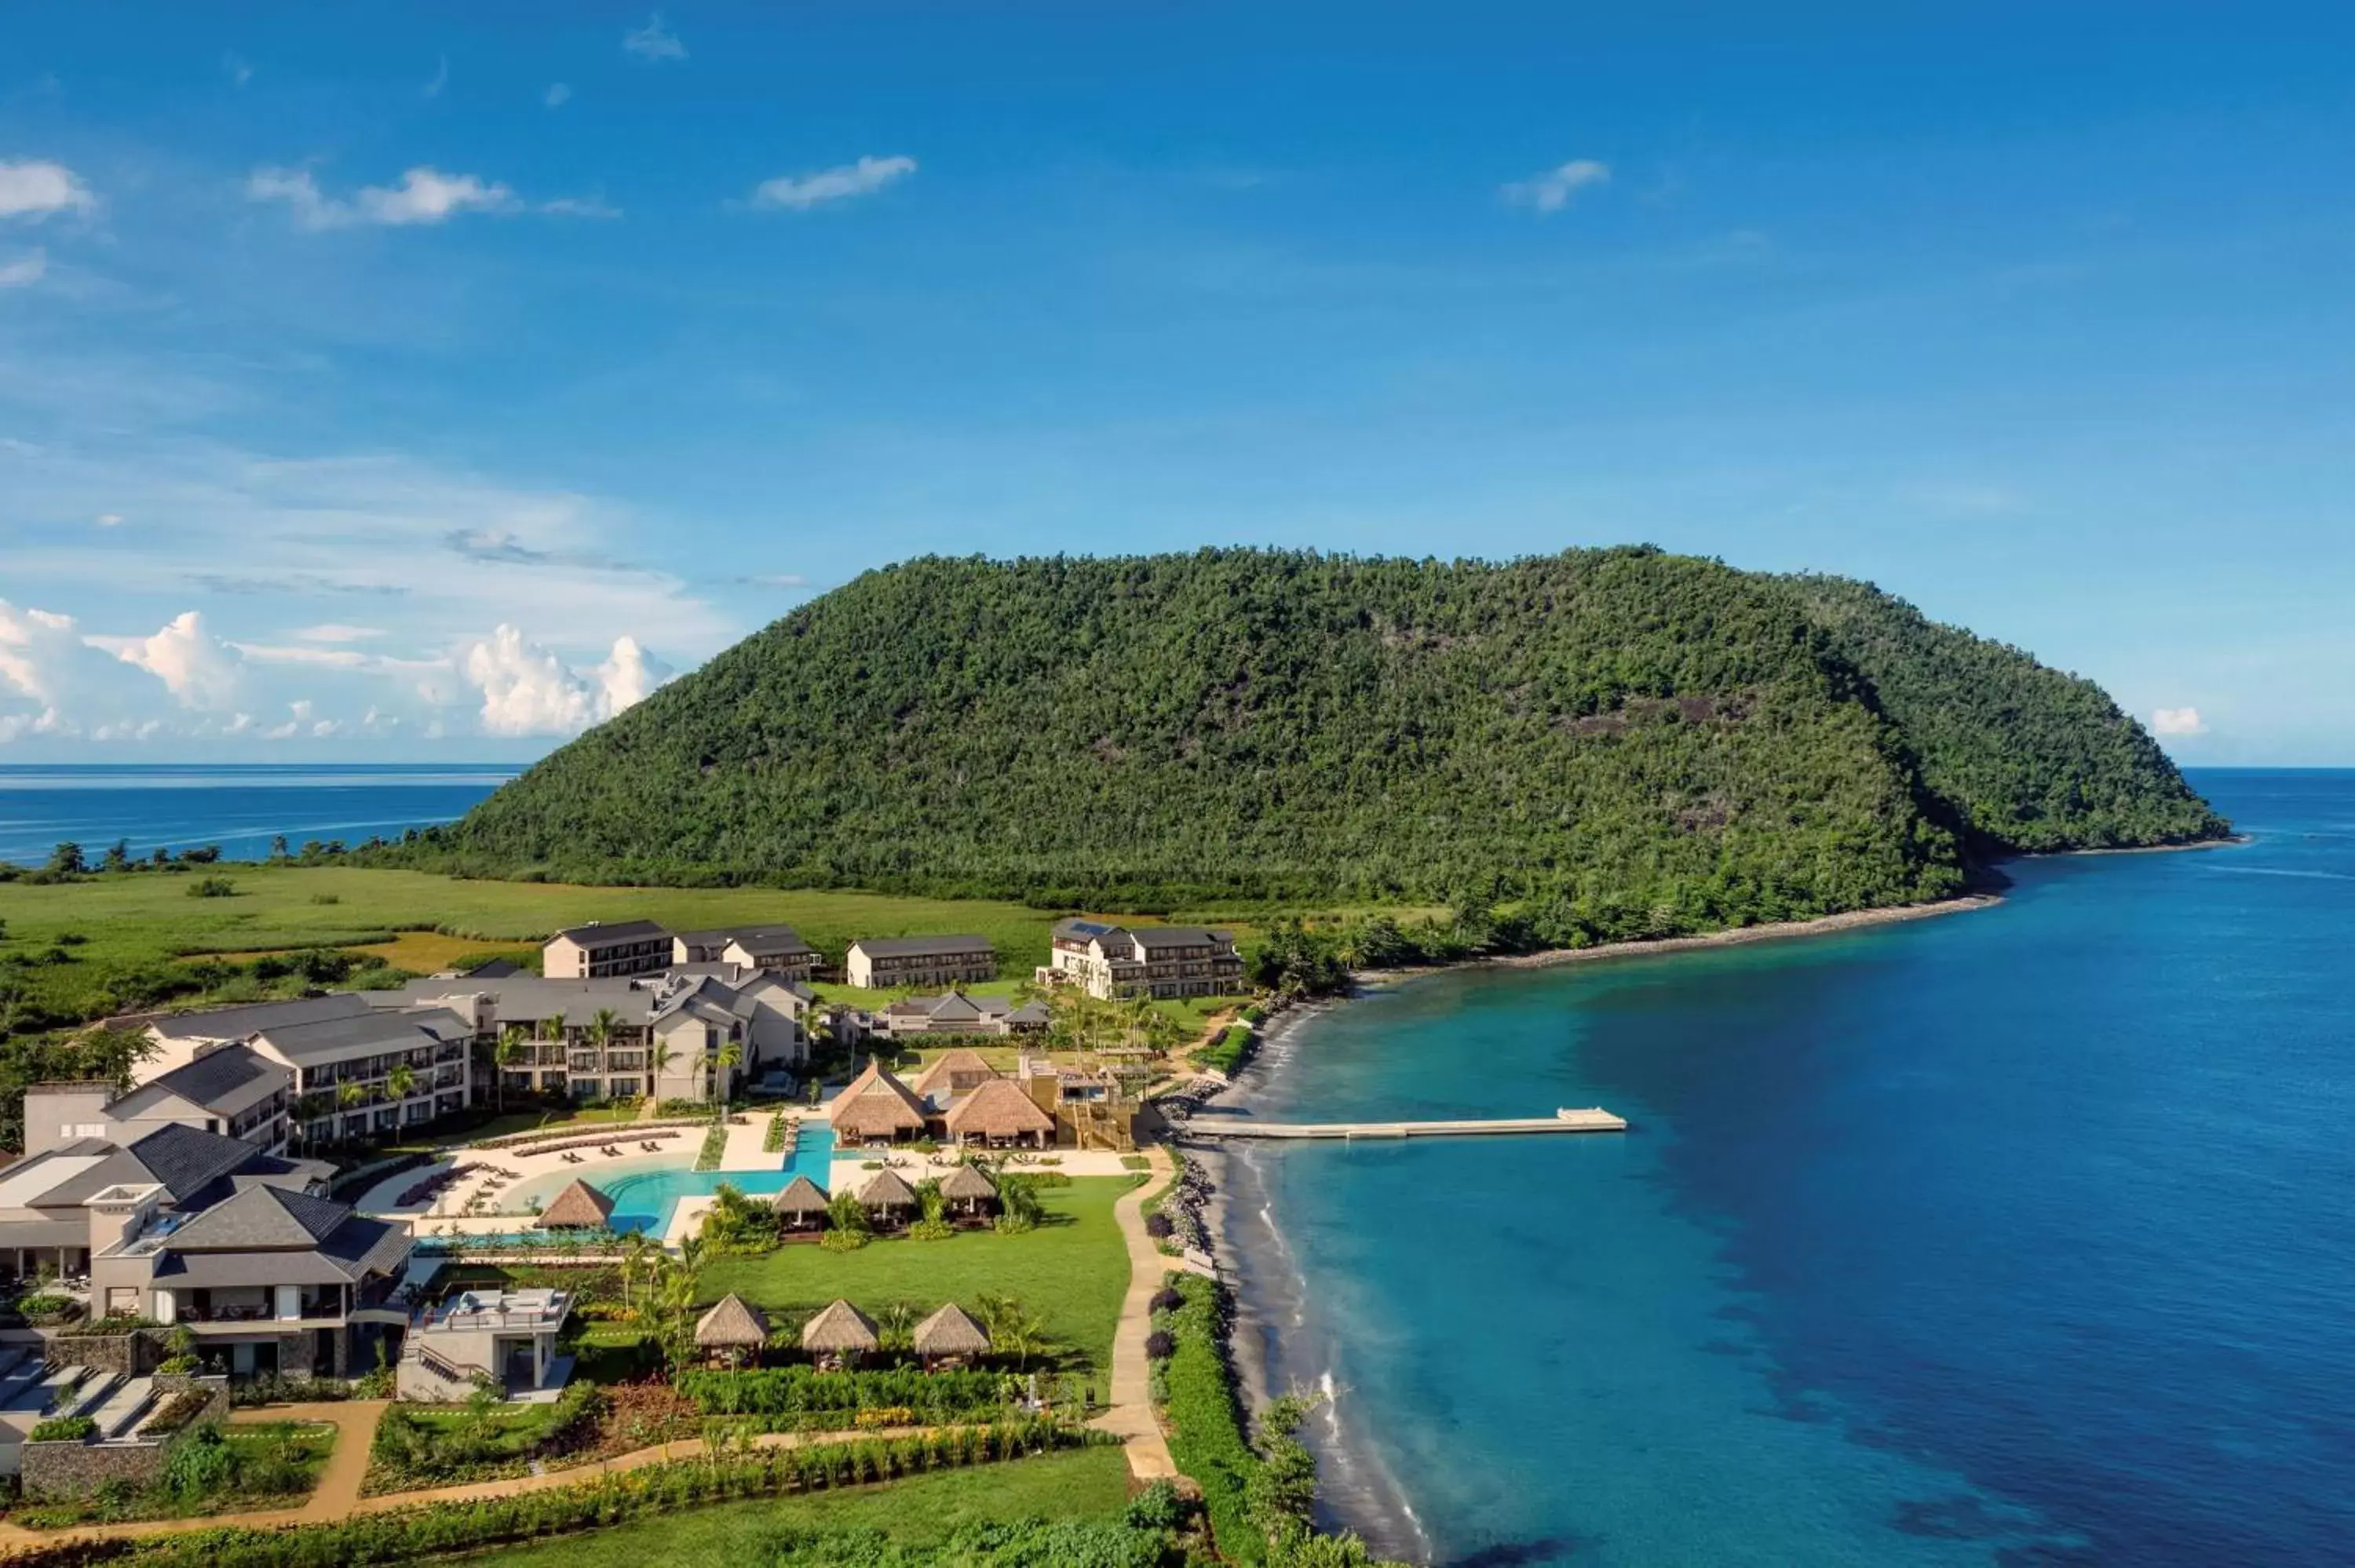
512,1042
118,856
278,847
401,1081
730,1057
1014,1329
66,860
350,1094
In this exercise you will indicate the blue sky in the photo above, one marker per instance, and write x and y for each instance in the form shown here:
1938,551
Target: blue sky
430,380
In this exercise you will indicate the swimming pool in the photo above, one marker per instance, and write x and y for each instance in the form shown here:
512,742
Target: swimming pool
645,1191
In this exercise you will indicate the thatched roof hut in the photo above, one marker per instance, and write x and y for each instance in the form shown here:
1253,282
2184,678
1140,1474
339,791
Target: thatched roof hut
999,1112
579,1207
802,1201
890,1190
877,1106
734,1324
957,1073
951,1331
840,1329
967,1186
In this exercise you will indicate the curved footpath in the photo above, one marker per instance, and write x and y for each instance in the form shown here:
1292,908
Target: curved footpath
337,1496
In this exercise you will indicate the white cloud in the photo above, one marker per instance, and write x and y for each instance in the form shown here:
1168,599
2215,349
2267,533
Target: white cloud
28,269
424,196
579,206
1552,190
440,79
195,667
336,631
36,189
775,580
527,690
653,41
802,191
235,68
2177,722
557,96
109,519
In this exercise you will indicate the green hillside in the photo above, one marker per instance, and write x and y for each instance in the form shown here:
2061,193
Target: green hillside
1600,730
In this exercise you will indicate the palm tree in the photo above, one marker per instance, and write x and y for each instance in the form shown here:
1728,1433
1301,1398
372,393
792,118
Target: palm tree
350,1094
730,1055
1014,1329
401,1081
513,1041
665,1054
602,1025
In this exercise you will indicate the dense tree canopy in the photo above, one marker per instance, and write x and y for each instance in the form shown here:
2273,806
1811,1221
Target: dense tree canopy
1661,741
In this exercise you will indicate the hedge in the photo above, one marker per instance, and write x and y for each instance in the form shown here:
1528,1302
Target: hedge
404,1535
802,1391
1205,1424
63,1429
1229,1051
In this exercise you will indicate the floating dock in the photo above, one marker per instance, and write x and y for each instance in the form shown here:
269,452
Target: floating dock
1594,1118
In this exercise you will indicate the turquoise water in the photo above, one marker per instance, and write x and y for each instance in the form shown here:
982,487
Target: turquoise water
239,807
645,1191
2019,1236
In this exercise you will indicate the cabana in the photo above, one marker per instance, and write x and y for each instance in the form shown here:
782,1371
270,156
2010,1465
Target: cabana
802,1205
733,1330
998,1114
950,1337
579,1207
887,1199
967,1190
838,1335
876,1107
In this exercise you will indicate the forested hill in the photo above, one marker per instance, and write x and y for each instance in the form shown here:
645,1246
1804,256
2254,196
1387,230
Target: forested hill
1623,738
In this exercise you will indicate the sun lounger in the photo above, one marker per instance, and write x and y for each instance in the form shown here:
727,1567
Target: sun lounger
570,1157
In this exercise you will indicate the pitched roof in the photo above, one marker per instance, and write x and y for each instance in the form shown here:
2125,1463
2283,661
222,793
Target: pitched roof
187,1159
213,1077
952,1065
597,933
410,1028
840,1327
579,1206
262,1219
876,1105
1031,1011
243,1022
966,1182
801,1196
1177,935
951,1331
889,1190
1078,931
732,1321
922,947
351,1250
998,1109
495,969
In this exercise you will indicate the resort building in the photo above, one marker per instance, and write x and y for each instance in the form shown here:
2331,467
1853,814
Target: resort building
1162,962
772,949
503,1340
881,963
46,1225
599,950
231,1090
876,1107
957,1014
952,1073
359,1072
999,1115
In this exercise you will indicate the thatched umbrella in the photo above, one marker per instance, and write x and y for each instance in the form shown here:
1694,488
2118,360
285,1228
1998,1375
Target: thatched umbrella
999,1112
840,1331
888,1193
876,1107
734,1326
578,1207
968,1188
949,1334
802,1202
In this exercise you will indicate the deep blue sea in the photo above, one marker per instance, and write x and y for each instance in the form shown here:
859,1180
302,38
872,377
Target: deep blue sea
239,807
2023,1236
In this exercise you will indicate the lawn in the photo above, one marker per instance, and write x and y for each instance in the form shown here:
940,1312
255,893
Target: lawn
923,1510
129,922
266,1465
1072,1271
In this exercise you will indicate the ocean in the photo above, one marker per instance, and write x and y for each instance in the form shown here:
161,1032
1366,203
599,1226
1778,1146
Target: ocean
241,808
2024,1235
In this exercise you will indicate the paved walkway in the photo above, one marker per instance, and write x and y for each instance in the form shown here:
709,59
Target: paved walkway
1131,1415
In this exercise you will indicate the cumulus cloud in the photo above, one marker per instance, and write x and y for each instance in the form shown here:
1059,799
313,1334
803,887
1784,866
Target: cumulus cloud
36,189
2177,722
799,193
653,42
527,690
1552,190
424,196
28,269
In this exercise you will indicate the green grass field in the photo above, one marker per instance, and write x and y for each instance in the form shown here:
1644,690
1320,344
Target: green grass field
1072,1272
923,1510
110,928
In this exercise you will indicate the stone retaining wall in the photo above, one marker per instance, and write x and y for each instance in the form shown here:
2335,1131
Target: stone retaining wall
77,1468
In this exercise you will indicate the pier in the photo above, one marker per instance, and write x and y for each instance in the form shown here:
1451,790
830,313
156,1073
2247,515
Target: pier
1593,1118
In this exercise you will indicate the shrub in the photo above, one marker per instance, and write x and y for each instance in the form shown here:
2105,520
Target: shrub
47,1308
64,1429
1159,1226
1158,1507
1160,1345
182,1408
211,887
803,1398
931,1230
715,1148
1168,1300
1229,1051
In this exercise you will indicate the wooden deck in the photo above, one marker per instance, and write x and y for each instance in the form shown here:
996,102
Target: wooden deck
1592,1119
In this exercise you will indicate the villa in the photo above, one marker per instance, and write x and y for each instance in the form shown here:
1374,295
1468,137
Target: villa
1162,962
876,962
600,951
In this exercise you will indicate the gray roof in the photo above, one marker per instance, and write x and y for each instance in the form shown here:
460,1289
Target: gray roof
1177,935
598,934
527,999
187,1159
212,1078
350,1252
188,1163
921,947
409,1029
496,968
261,1219
1080,930
243,1022
752,939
